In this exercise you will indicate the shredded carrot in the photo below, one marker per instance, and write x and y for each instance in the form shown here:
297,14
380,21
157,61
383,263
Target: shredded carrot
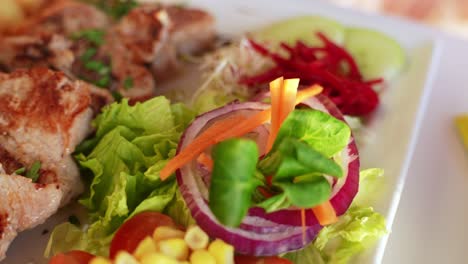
264,116
288,98
325,213
303,222
276,95
205,160
246,126
306,93
225,129
199,144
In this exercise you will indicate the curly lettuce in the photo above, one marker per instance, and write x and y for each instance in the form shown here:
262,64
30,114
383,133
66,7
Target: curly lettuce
122,161
358,229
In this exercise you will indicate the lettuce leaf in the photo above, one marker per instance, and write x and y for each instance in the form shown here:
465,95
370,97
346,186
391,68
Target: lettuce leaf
370,186
310,255
355,231
321,131
131,145
66,237
358,229
177,209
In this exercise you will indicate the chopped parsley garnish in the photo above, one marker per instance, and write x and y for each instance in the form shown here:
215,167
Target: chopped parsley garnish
88,54
104,81
95,36
114,8
97,66
33,172
128,83
118,9
20,171
91,62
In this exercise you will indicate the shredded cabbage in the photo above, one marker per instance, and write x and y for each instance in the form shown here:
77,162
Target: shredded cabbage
222,71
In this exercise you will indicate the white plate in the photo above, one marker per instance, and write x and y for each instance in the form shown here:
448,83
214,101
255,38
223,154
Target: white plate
392,134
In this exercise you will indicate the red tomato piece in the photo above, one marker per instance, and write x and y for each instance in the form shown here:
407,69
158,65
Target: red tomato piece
72,257
80,256
260,260
64,259
135,229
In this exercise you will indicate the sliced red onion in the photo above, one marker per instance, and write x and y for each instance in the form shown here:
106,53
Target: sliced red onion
260,234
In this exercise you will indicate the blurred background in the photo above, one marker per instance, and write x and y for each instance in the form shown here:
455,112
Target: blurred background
449,15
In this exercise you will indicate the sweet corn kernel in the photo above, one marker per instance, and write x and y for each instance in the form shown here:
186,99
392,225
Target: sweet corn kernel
166,232
157,258
196,238
124,257
146,246
202,257
223,253
100,260
174,247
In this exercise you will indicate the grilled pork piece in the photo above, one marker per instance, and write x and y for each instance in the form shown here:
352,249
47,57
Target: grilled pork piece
158,35
23,205
55,52
144,46
63,17
17,52
192,31
45,38
43,116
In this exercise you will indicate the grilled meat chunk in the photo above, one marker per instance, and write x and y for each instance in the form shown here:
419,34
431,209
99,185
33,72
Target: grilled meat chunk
43,116
144,46
23,205
158,36
63,17
17,52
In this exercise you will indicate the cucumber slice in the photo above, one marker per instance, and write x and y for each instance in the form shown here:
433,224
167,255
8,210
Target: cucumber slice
302,28
376,54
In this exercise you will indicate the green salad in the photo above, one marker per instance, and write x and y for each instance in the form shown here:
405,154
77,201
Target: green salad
209,163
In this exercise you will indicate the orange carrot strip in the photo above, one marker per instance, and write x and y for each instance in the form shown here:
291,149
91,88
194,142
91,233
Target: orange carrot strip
246,126
205,160
199,144
308,92
276,95
289,94
325,213
225,129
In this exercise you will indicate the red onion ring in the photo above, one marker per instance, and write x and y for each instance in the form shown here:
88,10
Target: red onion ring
260,234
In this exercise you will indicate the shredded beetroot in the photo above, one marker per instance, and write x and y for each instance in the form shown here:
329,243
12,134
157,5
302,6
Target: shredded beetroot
330,66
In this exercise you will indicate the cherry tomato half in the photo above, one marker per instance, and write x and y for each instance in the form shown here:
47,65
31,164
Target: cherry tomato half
72,257
135,229
260,260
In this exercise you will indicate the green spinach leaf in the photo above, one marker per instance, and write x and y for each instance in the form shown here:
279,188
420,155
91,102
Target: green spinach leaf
275,203
321,131
233,180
